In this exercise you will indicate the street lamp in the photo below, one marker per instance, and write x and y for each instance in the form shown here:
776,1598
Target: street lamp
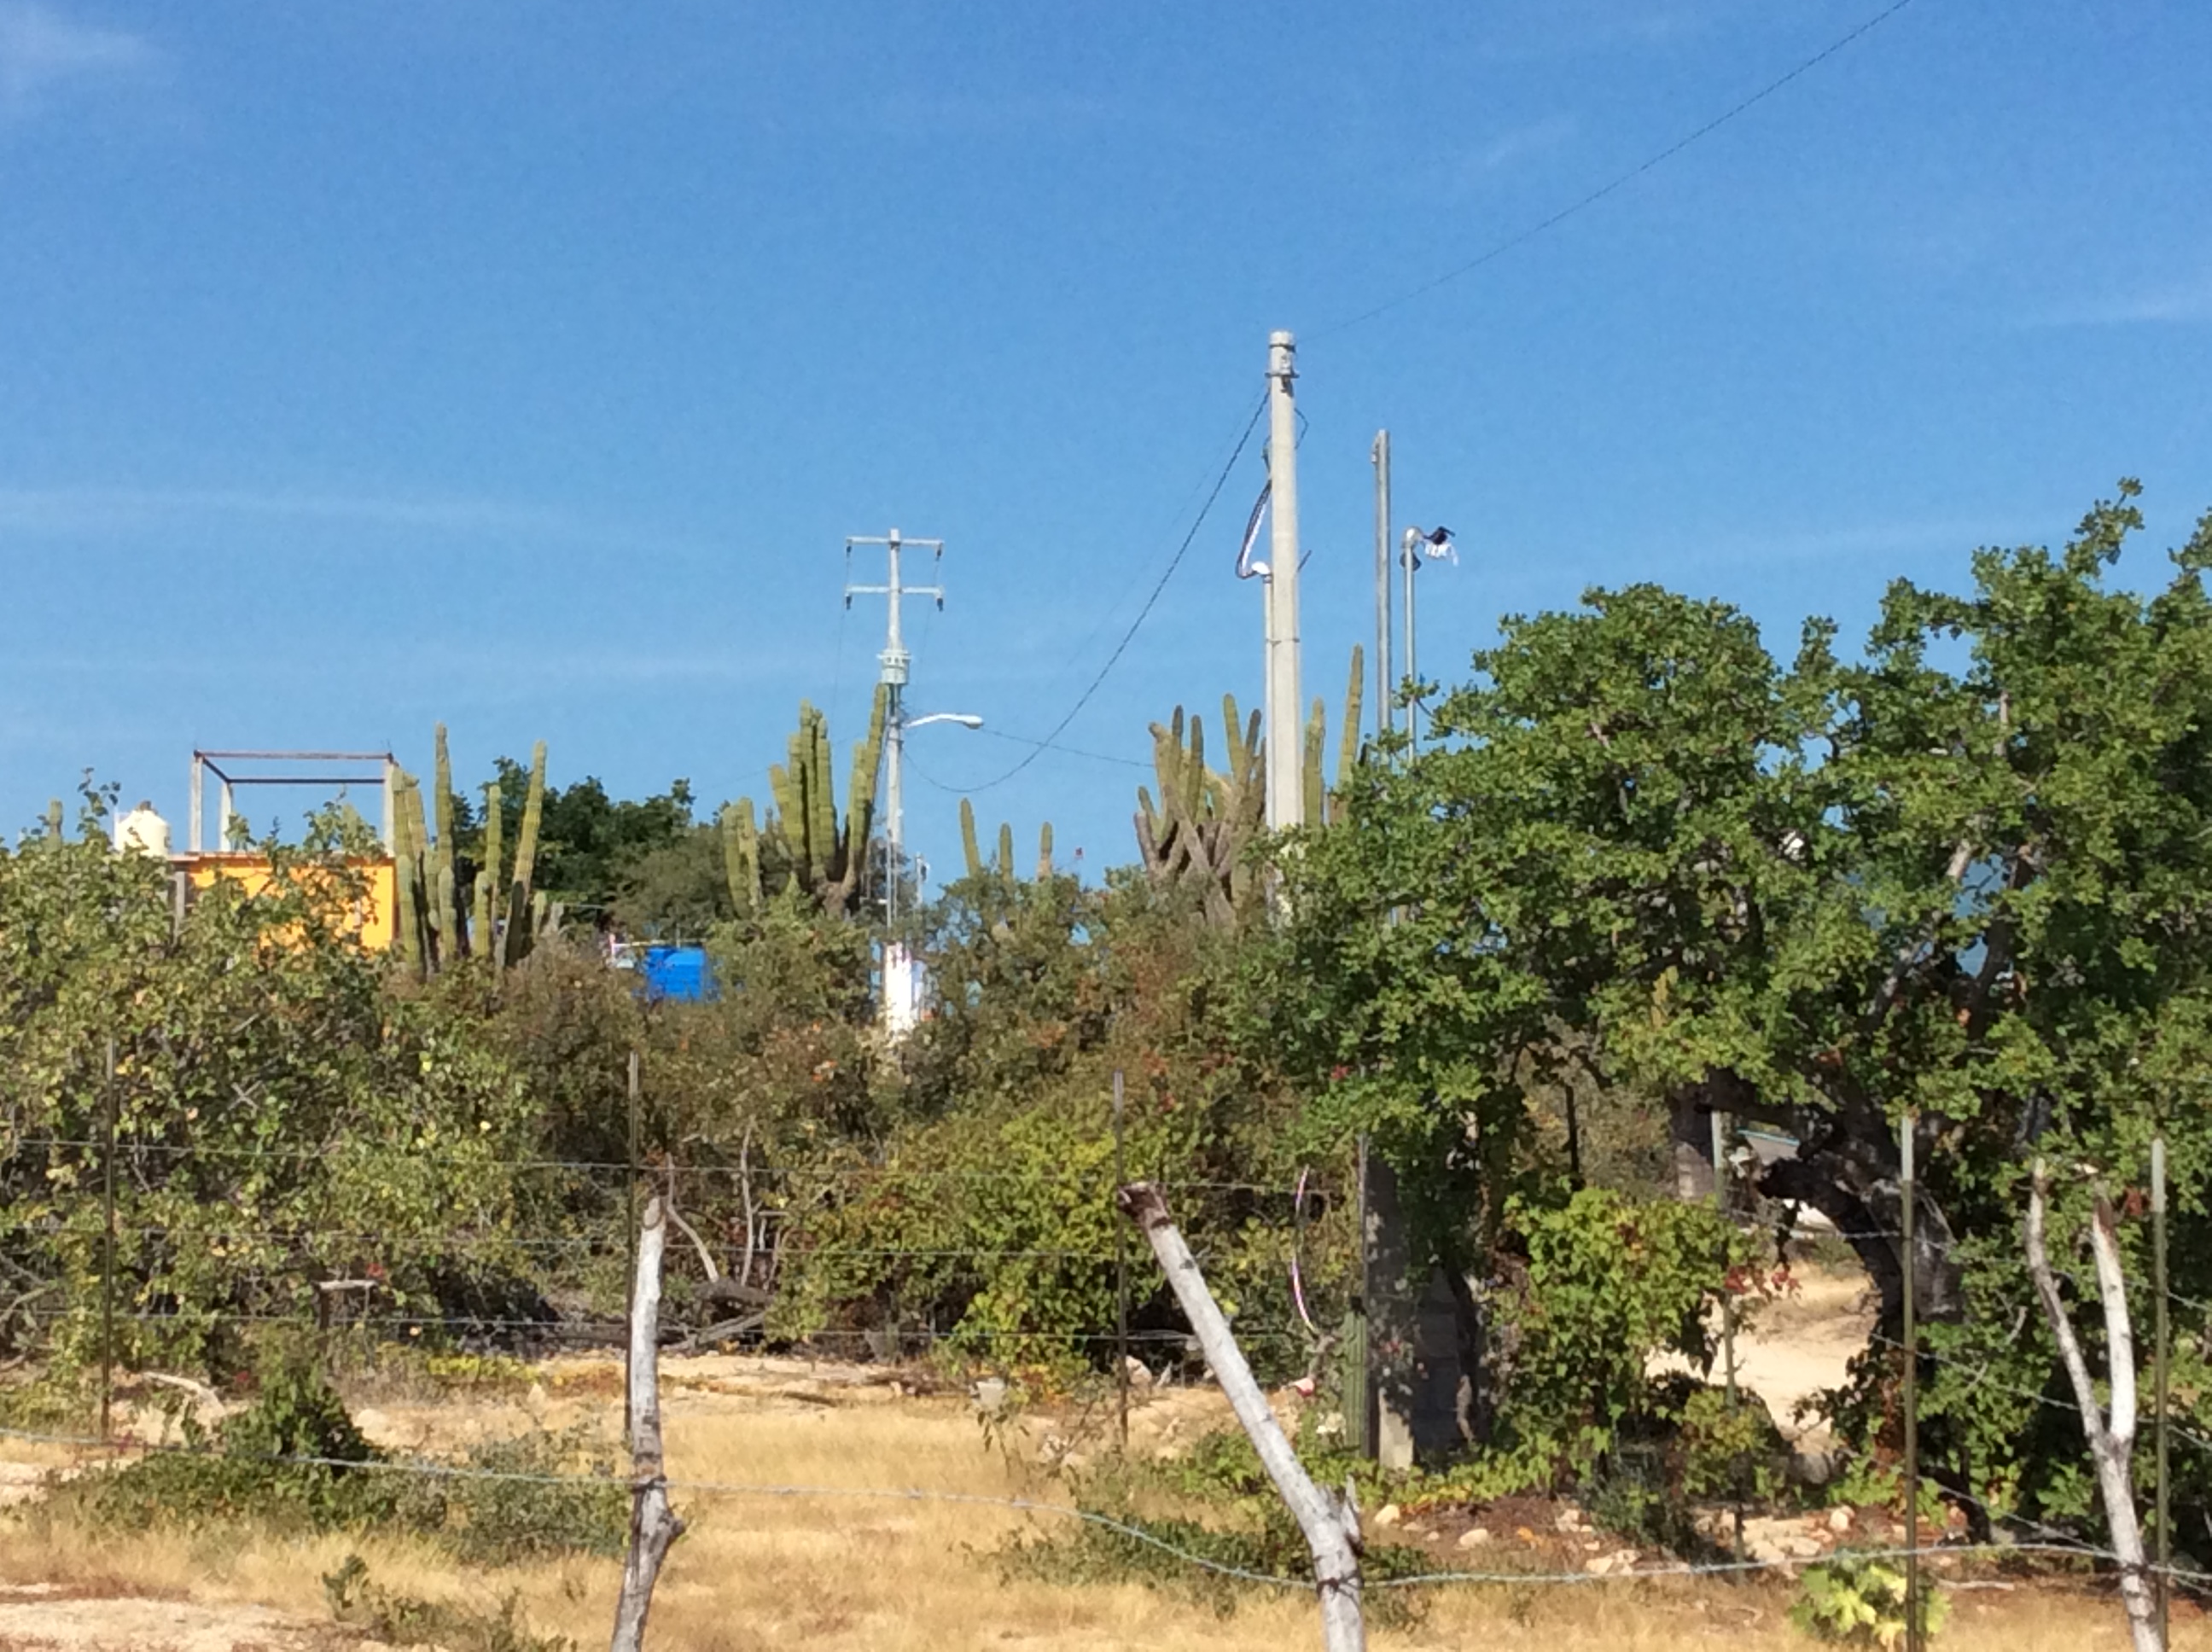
902,985
1419,544
895,796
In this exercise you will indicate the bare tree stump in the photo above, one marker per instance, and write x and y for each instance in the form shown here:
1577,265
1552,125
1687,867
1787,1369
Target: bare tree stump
652,1524
1331,1524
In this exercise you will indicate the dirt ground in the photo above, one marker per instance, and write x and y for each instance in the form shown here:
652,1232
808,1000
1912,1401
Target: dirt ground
776,1463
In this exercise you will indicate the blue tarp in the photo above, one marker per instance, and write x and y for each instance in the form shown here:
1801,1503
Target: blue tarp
676,971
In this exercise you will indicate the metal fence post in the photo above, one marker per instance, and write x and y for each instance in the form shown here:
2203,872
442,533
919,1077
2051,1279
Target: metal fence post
1907,1194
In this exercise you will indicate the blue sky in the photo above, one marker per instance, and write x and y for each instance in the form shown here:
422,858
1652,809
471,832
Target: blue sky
525,366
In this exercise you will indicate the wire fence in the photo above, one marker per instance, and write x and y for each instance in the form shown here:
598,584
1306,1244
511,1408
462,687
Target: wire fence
1290,1205
2063,1548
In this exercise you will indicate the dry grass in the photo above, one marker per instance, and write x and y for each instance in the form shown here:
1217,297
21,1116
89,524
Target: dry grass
846,1574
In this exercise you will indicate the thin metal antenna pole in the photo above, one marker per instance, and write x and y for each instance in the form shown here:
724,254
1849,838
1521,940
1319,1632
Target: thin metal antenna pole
108,1249
2159,1373
1385,716
1907,1196
1407,557
1121,1267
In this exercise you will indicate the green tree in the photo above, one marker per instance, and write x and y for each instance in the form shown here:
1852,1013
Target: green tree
280,1121
1964,878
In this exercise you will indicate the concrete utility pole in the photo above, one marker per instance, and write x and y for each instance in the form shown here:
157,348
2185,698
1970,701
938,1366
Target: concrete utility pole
896,662
1385,718
1285,792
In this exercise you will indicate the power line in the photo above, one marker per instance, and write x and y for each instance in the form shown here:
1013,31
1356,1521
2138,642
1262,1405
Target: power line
1065,751
1143,613
1626,179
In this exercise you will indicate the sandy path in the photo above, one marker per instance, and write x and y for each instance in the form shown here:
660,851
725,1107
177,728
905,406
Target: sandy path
43,1619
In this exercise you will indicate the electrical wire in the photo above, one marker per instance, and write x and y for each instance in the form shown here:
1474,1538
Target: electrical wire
1621,182
1144,613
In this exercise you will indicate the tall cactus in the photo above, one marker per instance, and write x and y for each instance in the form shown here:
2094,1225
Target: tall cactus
970,847
826,859
1196,836
741,856
522,914
1197,833
1000,865
440,917
445,916
414,888
488,880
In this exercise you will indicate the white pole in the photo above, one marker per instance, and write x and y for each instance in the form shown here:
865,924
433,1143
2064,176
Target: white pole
1413,561
895,673
1384,719
1286,794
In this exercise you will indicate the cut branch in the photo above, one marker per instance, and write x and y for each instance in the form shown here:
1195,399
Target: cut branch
1331,1524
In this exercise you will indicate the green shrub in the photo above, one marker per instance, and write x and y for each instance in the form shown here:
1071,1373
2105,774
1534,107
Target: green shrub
1730,1450
398,1619
1611,1281
537,1502
292,1459
295,1460
1860,1602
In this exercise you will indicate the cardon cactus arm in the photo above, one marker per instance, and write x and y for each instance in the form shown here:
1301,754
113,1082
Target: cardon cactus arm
521,931
969,845
445,915
820,796
1347,755
741,857
1313,786
533,815
488,876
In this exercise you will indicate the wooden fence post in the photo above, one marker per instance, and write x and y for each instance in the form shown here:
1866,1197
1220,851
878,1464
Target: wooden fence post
1331,1525
652,1524
2111,1432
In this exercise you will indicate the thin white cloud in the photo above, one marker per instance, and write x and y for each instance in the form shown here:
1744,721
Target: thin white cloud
43,53
1521,142
126,512
2183,303
105,510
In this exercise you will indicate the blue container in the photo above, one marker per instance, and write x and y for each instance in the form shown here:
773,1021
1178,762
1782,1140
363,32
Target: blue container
681,973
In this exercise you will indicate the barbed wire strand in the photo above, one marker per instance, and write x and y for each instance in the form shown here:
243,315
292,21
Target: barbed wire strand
1090,1517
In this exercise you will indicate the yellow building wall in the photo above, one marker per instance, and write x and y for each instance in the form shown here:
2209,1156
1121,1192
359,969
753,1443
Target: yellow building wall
373,913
